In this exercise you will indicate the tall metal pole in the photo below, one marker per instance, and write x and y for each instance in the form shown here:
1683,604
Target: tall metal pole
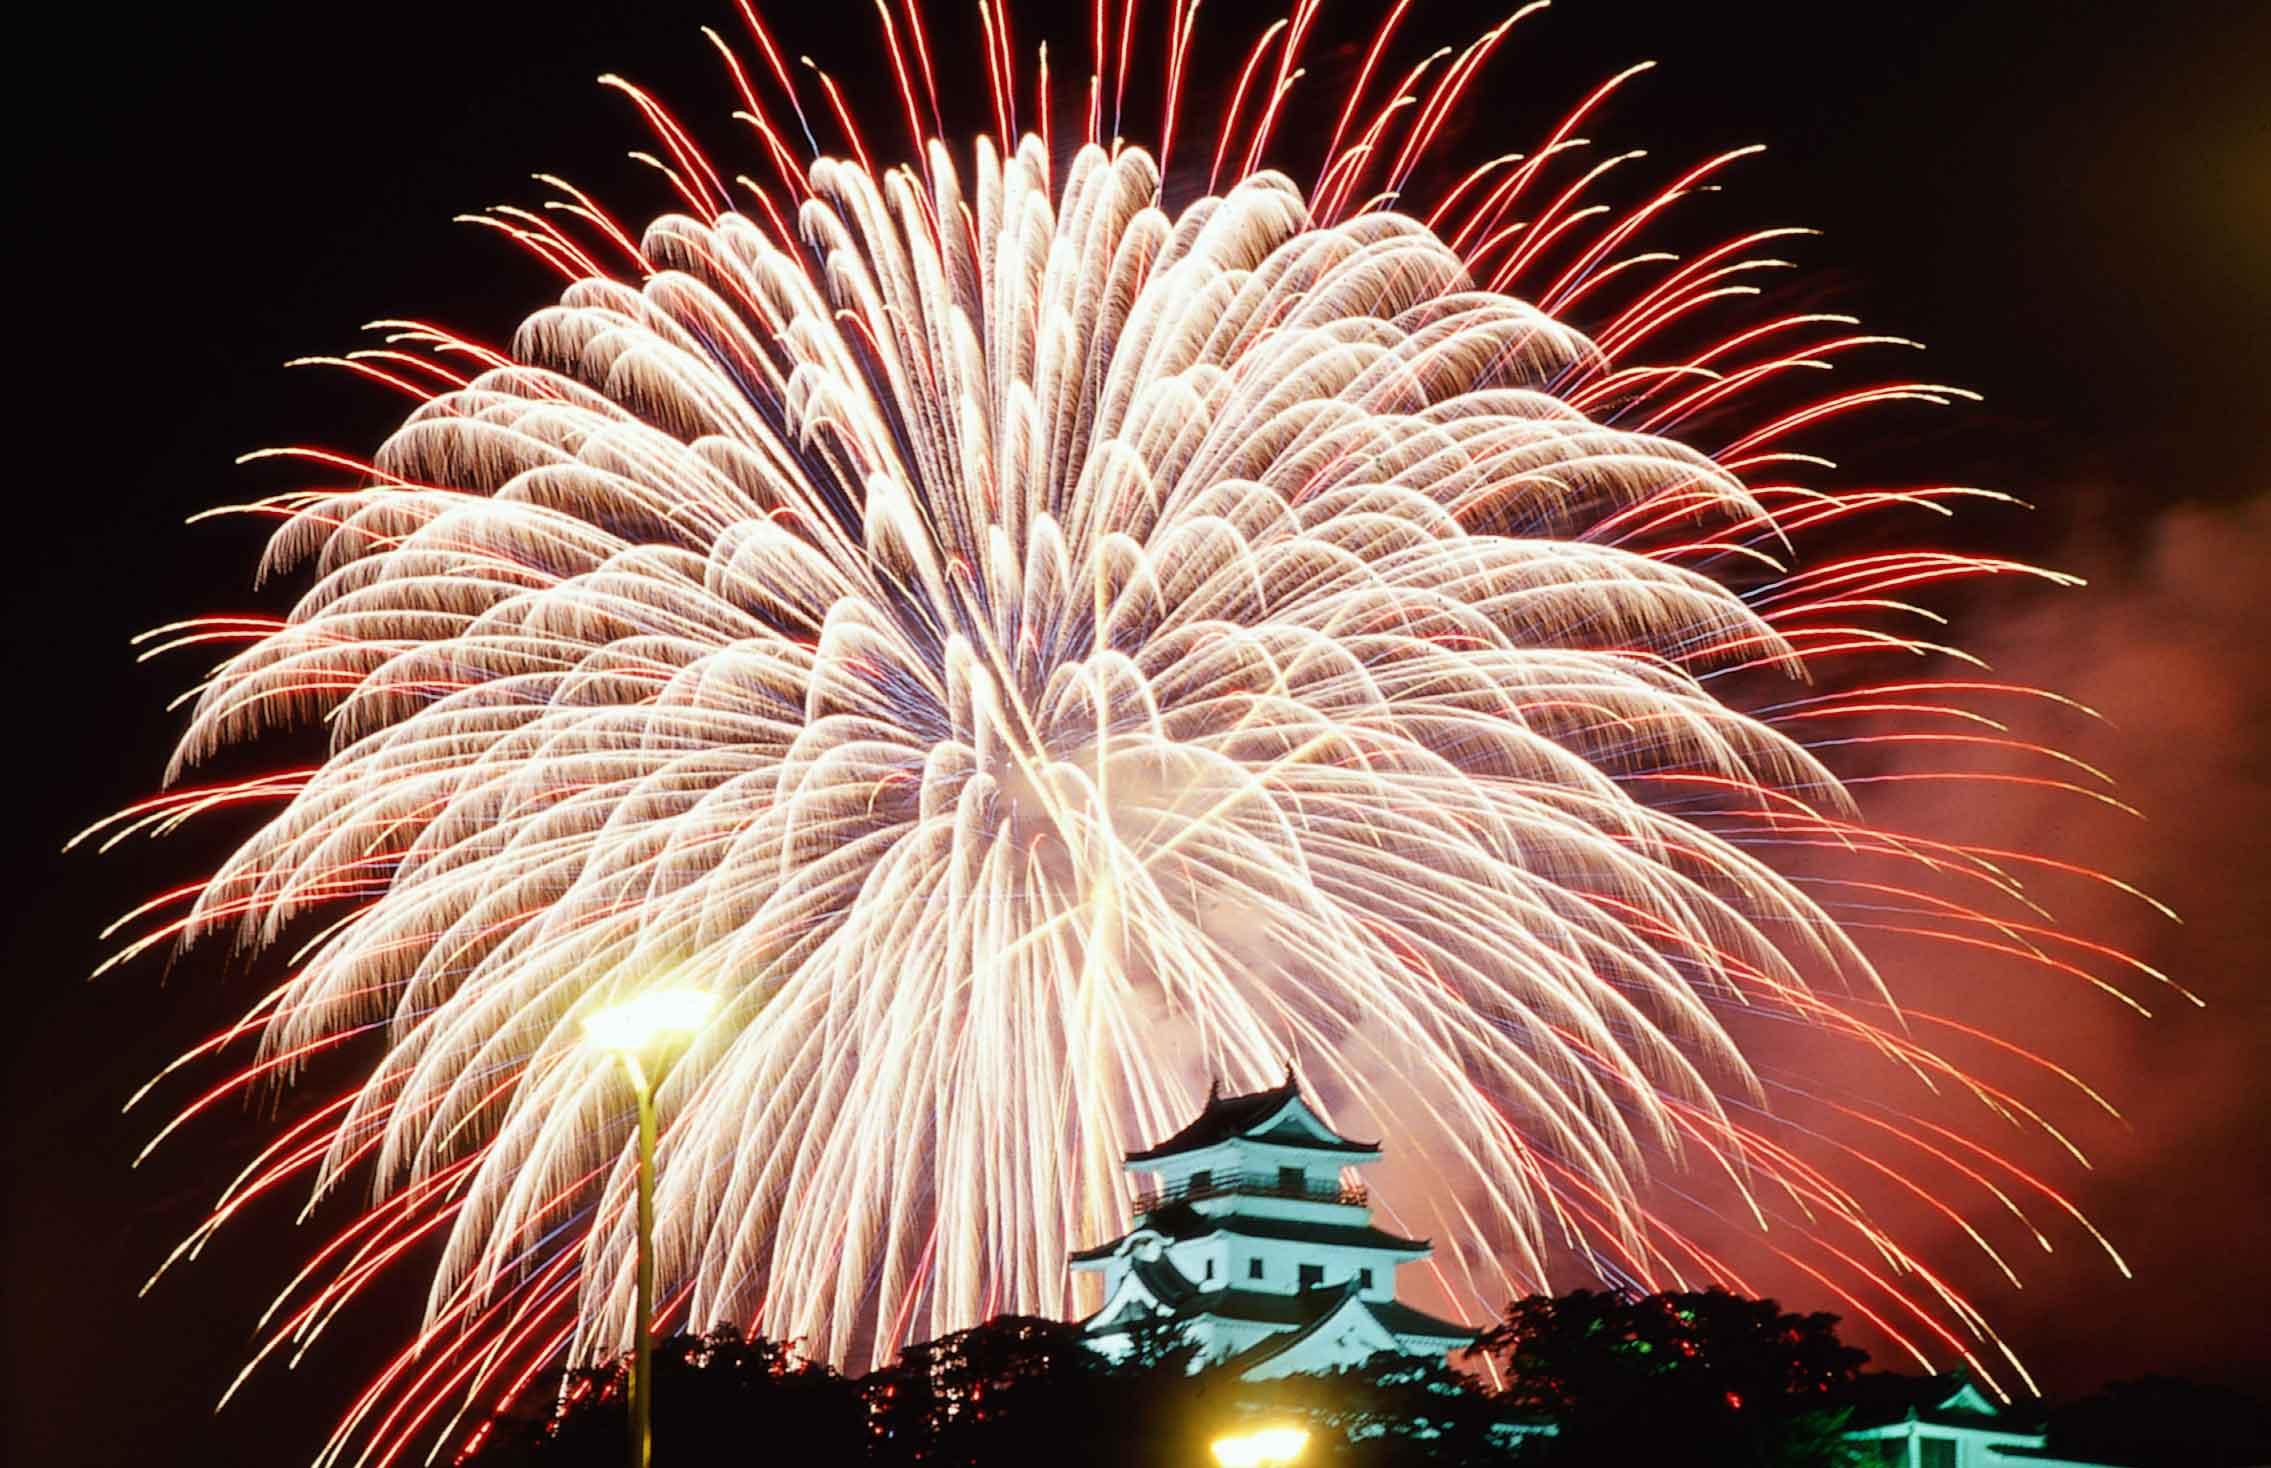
642,1352
625,1029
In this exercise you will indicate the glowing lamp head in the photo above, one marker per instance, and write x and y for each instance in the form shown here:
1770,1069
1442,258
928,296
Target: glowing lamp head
636,1024
1263,1448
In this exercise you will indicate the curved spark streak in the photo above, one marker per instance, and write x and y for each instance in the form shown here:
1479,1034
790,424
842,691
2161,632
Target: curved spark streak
963,726
1025,647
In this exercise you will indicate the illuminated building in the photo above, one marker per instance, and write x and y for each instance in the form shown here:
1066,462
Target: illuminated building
1252,1241
1946,1422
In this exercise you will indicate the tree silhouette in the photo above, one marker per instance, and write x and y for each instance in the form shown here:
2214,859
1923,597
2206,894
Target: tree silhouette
1018,1389
718,1398
1389,1412
1703,1379
1710,1380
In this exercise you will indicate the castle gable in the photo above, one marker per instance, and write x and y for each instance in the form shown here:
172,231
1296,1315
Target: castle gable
1339,1336
1281,1117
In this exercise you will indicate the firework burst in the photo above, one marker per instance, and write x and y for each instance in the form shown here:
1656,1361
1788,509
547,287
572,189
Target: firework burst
1027,641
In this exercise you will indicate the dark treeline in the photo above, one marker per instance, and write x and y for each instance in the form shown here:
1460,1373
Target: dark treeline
1708,1379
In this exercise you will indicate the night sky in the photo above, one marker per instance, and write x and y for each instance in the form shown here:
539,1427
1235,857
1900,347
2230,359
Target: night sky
2070,205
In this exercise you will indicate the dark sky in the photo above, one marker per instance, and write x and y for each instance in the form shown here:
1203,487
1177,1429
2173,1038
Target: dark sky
2070,204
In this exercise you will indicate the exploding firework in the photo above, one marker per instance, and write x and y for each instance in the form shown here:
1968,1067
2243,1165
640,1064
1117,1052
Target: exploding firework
1039,626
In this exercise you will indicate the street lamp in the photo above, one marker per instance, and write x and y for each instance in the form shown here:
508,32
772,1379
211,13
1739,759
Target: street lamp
626,1030
1265,1447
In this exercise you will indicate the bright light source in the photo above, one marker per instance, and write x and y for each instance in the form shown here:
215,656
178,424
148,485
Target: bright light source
633,1025
1261,1449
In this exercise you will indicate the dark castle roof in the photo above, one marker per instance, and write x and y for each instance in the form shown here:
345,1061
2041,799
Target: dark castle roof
1172,1288
1397,1318
1180,1221
1228,1117
1314,1304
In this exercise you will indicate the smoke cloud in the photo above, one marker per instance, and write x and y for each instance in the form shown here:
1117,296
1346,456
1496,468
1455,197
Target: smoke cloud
2170,644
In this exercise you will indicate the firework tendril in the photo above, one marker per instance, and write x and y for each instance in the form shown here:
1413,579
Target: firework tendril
1029,641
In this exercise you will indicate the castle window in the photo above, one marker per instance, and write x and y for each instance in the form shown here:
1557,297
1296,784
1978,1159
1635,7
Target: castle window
1202,1181
1291,1180
1364,1277
1937,1452
1253,1269
1209,1270
1311,1275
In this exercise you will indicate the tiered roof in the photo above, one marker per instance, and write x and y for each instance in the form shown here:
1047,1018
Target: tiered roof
1340,1304
1249,1117
1180,1221
1172,1288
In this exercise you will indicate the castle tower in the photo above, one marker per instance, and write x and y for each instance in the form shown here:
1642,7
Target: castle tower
1253,1243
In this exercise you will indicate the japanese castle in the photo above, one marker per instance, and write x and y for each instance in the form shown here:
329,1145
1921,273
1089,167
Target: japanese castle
1254,1244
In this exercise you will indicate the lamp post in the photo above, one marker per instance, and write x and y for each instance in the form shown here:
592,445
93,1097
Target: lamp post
1266,1447
626,1030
